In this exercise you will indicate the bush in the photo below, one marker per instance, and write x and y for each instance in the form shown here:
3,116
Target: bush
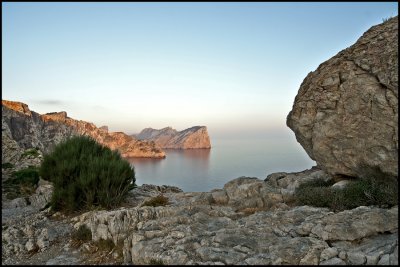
21,183
156,262
7,165
30,152
28,176
83,234
159,200
86,174
362,192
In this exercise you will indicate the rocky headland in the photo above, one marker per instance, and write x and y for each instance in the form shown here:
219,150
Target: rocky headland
24,129
249,221
191,138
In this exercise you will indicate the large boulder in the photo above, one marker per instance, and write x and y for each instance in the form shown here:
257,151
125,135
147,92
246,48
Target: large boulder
345,114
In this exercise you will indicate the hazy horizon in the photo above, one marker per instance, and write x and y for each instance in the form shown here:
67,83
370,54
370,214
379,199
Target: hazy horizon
233,67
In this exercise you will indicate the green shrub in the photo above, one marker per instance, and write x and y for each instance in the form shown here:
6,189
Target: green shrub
156,262
361,192
28,176
159,200
386,19
7,165
86,174
83,234
31,152
21,183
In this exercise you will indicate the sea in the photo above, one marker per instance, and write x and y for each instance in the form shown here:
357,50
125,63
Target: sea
201,170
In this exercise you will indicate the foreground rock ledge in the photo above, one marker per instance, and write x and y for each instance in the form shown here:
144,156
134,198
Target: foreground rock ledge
248,221
345,114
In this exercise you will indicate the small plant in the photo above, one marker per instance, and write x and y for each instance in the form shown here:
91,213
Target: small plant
82,234
31,152
7,165
21,183
105,244
159,200
386,19
156,262
28,176
249,211
86,175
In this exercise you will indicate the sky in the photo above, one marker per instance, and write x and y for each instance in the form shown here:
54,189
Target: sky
233,67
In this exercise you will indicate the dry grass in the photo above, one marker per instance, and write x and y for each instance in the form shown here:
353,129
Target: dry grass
103,252
159,200
249,211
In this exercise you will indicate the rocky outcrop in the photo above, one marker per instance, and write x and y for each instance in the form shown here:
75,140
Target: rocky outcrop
235,225
248,221
23,129
345,114
194,137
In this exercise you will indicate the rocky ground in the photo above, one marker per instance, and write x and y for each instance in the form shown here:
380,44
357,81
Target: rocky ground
248,221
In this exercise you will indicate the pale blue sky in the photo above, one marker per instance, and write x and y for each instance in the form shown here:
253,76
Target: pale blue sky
234,67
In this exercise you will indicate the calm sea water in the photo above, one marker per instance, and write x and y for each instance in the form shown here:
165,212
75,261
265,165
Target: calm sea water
201,170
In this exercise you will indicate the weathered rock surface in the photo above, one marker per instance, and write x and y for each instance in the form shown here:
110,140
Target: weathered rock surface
23,129
194,137
248,221
345,114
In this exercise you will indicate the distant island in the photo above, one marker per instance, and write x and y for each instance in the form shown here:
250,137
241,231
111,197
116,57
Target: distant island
191,138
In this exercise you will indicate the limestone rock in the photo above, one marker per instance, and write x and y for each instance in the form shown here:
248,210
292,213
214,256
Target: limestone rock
189,232
194,137
208,228
23,129
42,194
29,232
345,114
17,106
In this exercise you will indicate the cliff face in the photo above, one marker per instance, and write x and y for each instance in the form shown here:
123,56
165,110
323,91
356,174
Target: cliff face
345,114
194,137
23,129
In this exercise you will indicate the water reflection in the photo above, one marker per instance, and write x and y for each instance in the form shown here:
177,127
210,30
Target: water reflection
181,167
197,157
144,161
200,170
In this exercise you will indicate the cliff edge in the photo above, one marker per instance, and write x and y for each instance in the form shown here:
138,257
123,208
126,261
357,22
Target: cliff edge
23,129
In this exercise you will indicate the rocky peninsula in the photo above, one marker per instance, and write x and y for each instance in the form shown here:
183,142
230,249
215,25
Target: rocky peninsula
345,116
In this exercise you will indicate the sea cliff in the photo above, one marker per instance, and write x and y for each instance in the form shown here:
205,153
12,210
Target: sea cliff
191,138
25,129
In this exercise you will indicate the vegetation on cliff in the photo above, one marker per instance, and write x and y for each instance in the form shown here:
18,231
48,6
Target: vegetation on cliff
21,183
86,174
369,191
